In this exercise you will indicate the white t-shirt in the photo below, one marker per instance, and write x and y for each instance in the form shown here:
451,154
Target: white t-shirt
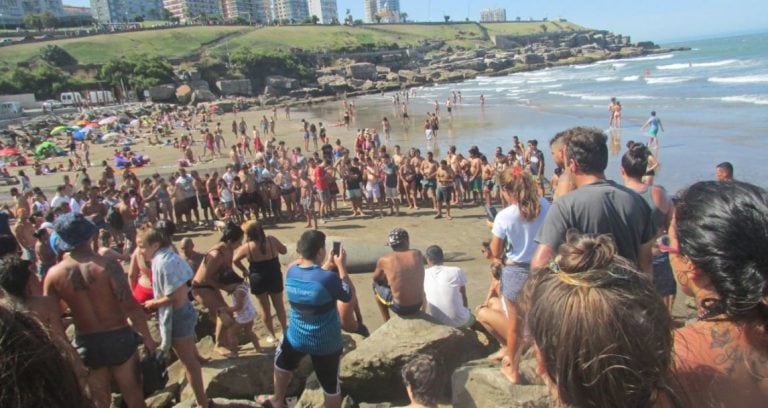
442,287
59,200
520,235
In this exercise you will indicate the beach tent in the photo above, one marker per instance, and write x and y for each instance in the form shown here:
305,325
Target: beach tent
63,128
48,149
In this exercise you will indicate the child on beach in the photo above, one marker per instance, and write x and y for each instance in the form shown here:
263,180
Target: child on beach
307,202
242,310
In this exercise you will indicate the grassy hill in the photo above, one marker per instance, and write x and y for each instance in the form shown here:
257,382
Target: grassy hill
217,40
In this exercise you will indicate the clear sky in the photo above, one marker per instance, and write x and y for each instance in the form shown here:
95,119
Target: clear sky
656,20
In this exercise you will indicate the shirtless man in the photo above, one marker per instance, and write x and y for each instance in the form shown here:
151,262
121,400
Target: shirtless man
407,176
188,253
475,174
97,293
445,178
611,111
429,182
487,174
398,280
22,203
24,231
129,228
202,194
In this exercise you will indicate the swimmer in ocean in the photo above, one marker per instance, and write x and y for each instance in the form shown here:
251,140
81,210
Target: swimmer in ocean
654,125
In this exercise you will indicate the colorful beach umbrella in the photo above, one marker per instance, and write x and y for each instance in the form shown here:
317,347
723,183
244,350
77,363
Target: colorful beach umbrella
82,122
58,129
92,125
9,151
108,120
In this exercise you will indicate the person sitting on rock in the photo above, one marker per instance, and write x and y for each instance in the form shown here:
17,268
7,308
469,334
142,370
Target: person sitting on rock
602,335
422,380
445,291
398,280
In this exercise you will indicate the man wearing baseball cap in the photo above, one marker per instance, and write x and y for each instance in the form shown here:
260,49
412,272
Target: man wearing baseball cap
398,280
97,292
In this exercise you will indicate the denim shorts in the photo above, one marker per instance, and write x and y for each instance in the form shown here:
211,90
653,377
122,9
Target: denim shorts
184,322
663,278
513,279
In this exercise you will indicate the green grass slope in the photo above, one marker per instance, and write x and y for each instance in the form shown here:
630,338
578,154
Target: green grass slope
218,40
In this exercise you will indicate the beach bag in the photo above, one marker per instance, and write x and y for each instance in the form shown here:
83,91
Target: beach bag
114,219
154,372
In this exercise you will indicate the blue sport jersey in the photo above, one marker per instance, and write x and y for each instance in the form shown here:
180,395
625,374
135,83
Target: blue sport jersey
313,323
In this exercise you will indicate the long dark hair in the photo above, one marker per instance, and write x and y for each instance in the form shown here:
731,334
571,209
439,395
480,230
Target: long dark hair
722,227
635,160
33,370
254,231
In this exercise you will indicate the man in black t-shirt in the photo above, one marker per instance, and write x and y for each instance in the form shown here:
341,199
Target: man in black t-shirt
597,206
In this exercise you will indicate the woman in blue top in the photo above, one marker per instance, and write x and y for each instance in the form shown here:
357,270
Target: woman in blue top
176,315
313,323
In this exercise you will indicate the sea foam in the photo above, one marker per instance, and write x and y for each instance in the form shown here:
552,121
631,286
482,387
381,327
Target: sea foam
698,64
746,79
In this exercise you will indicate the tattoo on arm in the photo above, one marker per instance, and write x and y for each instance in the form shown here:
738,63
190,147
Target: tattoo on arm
120,286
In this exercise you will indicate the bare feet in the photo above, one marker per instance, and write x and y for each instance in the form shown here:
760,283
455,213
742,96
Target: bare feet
512,375
499,355
225,352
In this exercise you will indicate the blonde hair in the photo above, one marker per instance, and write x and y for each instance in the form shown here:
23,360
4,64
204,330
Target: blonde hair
523,188
149,235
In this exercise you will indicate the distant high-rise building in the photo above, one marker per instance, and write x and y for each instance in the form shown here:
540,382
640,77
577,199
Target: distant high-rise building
252,11
193,10
491,15
55,7
11,12
369,9
120,11
325,10
388,11
291,10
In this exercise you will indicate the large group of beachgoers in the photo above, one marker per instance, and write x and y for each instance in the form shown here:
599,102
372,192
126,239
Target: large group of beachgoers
584,270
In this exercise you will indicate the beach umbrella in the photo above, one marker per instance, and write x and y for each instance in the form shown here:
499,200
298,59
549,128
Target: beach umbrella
82,122
135,123
82,133
9,151
58,129
108,120
92,125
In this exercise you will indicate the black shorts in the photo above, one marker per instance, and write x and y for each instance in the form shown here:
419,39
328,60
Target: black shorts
265,277
205,203
190,203
326,366
107,349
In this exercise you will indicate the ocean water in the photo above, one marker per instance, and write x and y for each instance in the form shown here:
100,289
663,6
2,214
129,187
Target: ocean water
712,100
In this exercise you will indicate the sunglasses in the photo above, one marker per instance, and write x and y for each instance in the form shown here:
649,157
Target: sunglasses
664,243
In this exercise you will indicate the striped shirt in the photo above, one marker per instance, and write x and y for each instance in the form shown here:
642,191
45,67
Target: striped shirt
313,323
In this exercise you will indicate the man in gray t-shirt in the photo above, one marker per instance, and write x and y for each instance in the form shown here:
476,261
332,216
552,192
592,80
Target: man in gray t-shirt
597,206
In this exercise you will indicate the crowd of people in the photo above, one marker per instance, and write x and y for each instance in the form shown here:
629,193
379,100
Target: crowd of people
584,270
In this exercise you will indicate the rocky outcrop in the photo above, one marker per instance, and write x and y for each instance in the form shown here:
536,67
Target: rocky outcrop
223,403
278,85
479,384
371,373
162,93
201,95
238,87
314,397
332,83
362,70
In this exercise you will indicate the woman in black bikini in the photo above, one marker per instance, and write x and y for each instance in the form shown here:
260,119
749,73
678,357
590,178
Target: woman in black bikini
264,273
206,286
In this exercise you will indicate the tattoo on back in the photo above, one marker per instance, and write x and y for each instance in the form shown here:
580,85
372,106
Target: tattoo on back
121,288
76,278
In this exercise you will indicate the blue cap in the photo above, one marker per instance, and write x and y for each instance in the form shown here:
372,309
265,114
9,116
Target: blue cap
74,230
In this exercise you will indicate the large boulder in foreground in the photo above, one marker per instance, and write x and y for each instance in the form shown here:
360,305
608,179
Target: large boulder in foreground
479,384
371,372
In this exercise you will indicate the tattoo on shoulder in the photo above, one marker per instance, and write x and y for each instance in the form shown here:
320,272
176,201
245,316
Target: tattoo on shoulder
720,339
120,286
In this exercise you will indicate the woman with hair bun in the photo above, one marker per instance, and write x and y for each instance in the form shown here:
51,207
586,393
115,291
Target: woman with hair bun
718,245
603,337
